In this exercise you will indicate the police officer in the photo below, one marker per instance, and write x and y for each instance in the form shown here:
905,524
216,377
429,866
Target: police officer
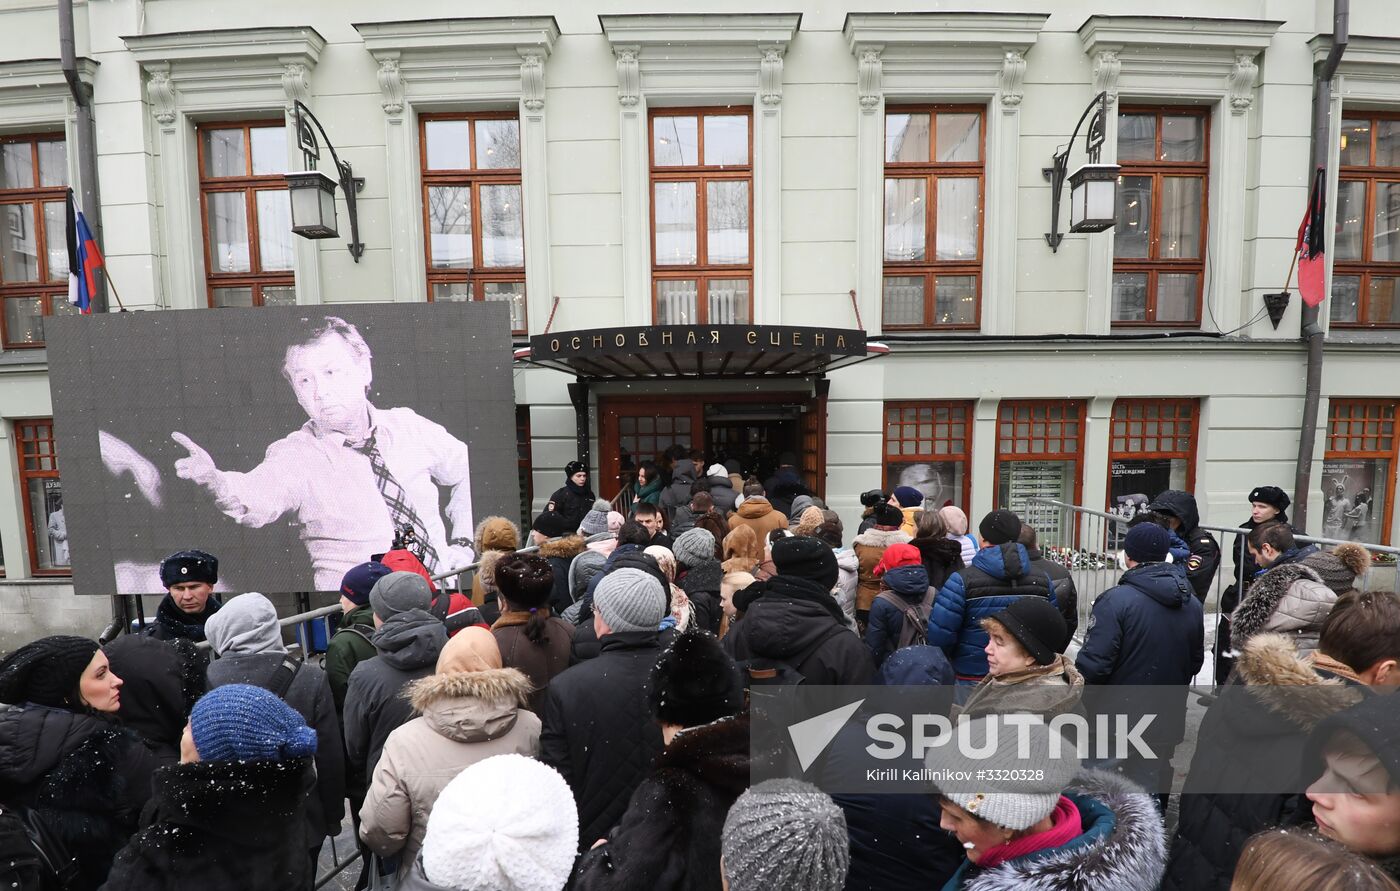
189,578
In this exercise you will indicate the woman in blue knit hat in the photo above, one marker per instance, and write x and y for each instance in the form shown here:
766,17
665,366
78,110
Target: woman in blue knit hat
230,815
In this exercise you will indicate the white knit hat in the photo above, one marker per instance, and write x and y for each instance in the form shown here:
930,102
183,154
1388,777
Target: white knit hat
506,823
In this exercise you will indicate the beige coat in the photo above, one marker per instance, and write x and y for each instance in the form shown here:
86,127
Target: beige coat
465,718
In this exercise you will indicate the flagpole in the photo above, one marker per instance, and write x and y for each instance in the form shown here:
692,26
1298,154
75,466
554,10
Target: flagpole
113,285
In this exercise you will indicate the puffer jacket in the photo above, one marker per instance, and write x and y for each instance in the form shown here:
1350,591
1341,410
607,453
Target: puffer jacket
758,514
464,717
1290,599
85,778
942,557
870,547
348,647
560,554
999,575
678,492
1122,846
847,582
723,494
408,645
598,730
882,632
221,826
1260,720
793,621
669,837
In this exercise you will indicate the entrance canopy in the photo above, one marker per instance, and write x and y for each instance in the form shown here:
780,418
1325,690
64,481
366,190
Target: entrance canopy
702,352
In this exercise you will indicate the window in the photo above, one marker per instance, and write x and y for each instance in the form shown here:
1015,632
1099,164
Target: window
1358,471
933,217
1366,257
247,214
43,495
702,216
928,445
1152,448
1159,238
33,235
472,210
1040,446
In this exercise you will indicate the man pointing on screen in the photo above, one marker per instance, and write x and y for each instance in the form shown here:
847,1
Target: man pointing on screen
352,472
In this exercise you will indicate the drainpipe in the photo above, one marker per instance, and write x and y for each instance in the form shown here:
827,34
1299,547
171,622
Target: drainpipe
85,137
1312,331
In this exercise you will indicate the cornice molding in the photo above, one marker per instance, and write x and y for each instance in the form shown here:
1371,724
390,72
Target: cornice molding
701,29
1369,70
28,81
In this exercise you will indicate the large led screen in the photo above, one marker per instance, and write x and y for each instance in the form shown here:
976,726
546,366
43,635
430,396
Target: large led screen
290,442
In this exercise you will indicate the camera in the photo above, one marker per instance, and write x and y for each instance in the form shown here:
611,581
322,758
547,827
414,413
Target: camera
873,497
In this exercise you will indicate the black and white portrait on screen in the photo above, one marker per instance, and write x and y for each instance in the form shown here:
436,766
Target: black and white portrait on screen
300,443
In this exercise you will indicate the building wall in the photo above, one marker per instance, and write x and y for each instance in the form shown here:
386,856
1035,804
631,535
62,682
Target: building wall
813,188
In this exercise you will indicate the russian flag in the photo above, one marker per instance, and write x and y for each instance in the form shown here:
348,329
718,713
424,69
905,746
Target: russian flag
84,259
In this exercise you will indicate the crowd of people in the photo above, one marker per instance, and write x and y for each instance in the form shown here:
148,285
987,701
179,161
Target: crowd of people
581,718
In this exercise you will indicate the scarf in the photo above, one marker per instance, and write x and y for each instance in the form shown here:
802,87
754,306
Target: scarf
513,617
1065,826
179,623
581,491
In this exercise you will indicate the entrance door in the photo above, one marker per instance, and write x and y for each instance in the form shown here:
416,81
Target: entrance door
638,430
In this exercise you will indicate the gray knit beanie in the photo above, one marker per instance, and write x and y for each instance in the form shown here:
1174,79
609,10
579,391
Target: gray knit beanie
630,600
399,592
785,835
1010,803
694,547
596,520
1339,567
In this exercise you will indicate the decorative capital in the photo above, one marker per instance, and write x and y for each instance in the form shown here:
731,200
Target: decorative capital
161,91
294,83
871,73
1243,76
532,80
1107,67
1011,80
770,76
391,86
629,76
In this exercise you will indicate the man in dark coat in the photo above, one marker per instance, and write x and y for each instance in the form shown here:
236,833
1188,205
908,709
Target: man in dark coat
669,837
785,484
161,681
1000,573
793,619
1185,518
1267,504
628,555
575,499
409,640
1148,630
231,814
247,640
350,645
189,578
678,493
598,730
1061,581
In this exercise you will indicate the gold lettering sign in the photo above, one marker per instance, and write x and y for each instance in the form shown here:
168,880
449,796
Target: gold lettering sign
665,337
575,343
752,337
597,341
820,338
797,338
840,341
714,335
554,345
642,338
690,337
620,340
774,339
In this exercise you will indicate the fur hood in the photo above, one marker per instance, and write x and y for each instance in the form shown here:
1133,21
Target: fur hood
568,547
470,706
1268,662
496,534
486,570
879,538
1123,845
1291,598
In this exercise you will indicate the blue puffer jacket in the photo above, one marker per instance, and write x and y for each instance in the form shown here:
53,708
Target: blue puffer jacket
998,575
908,583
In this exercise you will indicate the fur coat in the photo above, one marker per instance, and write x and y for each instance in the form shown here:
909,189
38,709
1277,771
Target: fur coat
1290,599
1261,719
668,839
1122,846
217,825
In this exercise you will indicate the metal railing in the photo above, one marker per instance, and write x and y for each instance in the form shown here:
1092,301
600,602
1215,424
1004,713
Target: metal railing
1087,541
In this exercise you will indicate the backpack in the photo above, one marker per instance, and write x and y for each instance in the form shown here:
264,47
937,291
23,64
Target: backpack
762,672
914,631
282,678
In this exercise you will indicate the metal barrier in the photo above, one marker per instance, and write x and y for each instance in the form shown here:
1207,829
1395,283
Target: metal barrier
1087,541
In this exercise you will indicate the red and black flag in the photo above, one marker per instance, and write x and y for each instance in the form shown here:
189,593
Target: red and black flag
1312,235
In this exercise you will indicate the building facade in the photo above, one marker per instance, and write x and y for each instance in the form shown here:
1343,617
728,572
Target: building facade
866,165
